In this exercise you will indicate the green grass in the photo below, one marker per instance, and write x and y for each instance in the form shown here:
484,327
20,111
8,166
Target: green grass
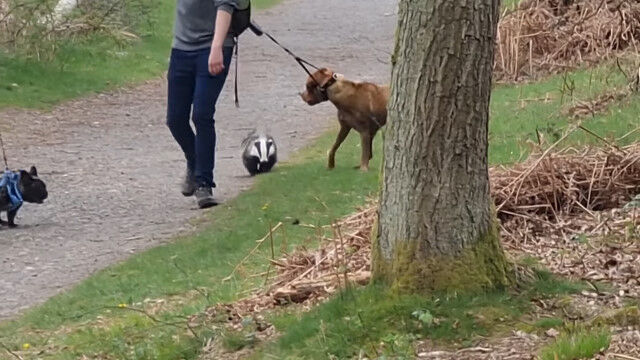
518,110
510,4
358,321
235,341
304,190
549,323
583,344
263,4
93,64
549,285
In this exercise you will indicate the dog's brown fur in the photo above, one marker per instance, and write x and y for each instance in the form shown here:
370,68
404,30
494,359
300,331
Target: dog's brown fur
361,106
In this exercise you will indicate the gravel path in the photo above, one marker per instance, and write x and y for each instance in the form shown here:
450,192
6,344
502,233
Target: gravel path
112,167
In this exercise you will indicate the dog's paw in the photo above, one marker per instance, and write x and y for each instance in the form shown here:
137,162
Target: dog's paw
362,168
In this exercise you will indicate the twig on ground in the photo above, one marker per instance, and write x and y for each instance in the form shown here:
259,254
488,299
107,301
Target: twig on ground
10,352
260,241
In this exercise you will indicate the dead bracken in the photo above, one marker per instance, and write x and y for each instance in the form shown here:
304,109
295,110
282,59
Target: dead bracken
548,36
600,104
567,182
309,276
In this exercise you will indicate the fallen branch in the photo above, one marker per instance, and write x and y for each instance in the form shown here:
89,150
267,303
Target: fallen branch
260,241
627,357
10,352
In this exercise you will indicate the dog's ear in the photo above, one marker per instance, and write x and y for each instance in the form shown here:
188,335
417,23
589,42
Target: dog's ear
25,175
323,76
319,78
33,171
324,81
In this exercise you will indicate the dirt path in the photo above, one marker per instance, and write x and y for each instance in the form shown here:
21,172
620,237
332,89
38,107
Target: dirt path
112,168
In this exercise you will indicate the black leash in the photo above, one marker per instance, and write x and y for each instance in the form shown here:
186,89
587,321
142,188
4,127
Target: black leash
259,32
235,82
302,62
4,153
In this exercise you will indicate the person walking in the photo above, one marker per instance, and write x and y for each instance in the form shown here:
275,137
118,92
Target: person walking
200,56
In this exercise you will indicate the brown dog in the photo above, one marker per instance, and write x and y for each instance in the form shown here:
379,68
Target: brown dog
361,106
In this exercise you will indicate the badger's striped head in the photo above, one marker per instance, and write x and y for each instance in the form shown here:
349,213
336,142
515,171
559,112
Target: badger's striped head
262,147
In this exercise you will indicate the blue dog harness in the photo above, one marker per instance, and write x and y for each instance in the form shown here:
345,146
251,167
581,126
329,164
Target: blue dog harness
10,181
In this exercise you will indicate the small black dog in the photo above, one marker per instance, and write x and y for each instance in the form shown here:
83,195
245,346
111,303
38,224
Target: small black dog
33,190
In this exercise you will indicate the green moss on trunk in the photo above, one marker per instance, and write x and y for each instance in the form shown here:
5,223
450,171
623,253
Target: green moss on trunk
478,268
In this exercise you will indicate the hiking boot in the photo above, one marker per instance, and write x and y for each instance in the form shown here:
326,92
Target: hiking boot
204,197
188,186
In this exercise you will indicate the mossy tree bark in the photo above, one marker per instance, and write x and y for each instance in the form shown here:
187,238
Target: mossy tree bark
436,226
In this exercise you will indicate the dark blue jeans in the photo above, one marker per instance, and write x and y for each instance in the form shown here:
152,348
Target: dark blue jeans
193,90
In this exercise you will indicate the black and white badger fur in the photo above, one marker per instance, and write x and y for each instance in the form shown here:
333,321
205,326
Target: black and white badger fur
260,153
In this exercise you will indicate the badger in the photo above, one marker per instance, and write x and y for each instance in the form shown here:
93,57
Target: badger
260,153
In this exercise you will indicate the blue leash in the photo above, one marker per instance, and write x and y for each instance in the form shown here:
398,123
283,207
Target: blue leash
10,181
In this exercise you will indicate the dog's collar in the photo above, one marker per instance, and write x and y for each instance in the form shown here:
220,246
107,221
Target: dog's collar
331,81
322,90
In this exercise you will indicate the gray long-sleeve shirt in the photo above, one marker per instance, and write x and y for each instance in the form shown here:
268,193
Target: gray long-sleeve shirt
195,22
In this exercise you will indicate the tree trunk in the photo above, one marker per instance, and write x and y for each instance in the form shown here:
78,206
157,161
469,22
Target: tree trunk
436,227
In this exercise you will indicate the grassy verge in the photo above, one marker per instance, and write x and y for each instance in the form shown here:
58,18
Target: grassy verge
91,65
372,323
96,319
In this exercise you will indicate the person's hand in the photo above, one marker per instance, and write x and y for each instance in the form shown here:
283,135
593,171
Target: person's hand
216,62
